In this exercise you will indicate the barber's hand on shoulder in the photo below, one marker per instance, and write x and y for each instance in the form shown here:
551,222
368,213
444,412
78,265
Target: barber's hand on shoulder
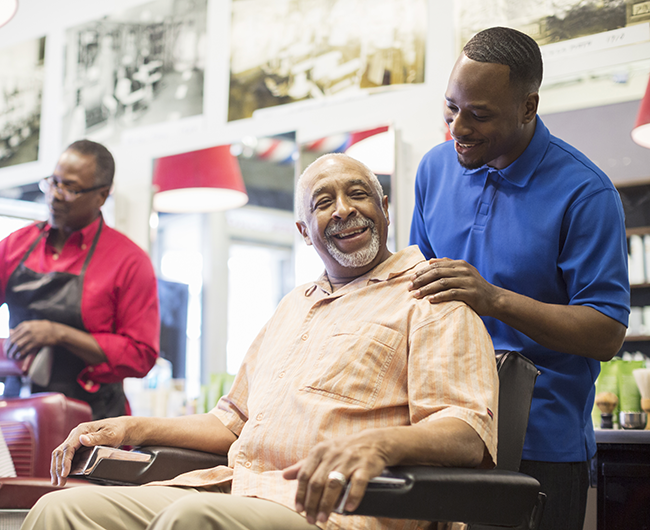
29,337
444,280
111,432
358,458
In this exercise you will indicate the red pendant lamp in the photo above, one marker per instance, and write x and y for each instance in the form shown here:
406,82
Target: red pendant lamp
206,180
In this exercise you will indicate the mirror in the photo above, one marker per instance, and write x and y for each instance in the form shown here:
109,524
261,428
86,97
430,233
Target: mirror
237,264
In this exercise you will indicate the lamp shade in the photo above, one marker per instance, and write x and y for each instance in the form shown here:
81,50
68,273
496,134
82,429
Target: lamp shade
641,131
8,9
207,180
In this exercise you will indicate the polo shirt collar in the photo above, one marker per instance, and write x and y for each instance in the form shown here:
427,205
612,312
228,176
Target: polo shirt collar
396,265
522,170
80,237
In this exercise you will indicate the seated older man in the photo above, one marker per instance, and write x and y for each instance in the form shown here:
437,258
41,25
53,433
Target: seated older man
350,375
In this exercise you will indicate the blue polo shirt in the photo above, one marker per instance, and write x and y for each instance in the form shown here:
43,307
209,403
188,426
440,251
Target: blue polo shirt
550,226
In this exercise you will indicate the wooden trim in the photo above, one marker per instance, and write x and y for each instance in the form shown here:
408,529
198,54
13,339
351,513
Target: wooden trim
637,231
632,183
637,338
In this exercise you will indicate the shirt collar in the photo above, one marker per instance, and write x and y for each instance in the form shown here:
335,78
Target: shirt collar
84,236
396,265
522,170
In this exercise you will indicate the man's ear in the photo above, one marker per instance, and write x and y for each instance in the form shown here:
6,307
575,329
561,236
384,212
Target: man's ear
304,232
530,107
102,196
384,205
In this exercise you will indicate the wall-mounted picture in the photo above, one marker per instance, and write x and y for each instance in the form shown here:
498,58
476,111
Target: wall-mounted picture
283,51
140,66
549,22
21,92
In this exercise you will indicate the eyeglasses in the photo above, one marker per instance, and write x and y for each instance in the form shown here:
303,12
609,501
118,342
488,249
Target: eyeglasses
49,184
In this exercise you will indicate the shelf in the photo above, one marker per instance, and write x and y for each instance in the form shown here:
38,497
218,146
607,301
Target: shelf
637,231
637,338
639,285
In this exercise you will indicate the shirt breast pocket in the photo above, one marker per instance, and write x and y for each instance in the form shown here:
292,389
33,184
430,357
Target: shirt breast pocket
352,364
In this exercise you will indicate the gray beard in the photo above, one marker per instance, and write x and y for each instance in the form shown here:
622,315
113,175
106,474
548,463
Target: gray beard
361,257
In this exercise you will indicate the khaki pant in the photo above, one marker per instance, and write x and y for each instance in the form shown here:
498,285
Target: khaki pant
157,508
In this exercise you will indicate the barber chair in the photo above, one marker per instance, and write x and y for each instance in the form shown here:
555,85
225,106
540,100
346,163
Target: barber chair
496,498
32,428
485,499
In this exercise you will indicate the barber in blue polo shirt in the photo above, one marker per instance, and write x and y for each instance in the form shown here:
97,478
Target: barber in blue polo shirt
530,233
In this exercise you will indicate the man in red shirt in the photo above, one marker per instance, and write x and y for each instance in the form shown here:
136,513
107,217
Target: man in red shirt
81,295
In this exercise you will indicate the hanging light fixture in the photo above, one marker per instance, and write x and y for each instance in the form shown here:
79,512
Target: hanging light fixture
641,131
8,9
206,180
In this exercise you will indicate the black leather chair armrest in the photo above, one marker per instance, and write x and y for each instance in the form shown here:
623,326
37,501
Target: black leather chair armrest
165,463
490,497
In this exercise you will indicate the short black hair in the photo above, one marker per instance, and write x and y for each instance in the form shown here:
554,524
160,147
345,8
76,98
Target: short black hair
104,161
512,48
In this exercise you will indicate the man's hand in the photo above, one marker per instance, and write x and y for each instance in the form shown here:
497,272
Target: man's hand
444,280
110,432
359,458
29,337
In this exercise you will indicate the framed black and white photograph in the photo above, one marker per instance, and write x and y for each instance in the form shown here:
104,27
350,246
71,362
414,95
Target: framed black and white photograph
549,22
283,51
137,67
21,94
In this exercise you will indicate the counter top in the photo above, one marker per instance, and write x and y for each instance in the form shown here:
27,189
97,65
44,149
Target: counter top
622,436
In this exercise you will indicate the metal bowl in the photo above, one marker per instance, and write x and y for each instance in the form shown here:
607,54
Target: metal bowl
633,420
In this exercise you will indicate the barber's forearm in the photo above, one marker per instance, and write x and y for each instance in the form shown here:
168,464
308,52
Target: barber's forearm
80,343
574,329
202,432
444,442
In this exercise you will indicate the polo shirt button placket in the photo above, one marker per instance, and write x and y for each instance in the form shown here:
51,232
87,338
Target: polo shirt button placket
486,199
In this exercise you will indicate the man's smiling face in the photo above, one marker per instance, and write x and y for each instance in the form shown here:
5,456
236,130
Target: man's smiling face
486,114
345,218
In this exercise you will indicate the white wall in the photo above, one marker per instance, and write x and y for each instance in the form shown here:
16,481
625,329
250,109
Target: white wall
415,111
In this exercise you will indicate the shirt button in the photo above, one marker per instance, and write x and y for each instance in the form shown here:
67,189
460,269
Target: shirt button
83,246
259,417
281,374
305,336
89,385
248,465
55,257
91,369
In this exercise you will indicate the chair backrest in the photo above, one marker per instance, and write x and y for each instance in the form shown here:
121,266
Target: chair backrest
517,376
34,426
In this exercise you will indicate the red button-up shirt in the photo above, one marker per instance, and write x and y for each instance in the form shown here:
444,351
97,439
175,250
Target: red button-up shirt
119,304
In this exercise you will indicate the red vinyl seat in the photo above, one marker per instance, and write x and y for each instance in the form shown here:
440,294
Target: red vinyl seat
33,426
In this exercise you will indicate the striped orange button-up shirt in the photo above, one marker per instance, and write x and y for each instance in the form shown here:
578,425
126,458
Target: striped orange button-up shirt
368,355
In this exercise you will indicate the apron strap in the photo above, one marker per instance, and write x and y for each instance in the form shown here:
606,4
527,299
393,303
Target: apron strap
94,244
88,256
41,226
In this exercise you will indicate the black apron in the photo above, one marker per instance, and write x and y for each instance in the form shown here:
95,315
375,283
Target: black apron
56,296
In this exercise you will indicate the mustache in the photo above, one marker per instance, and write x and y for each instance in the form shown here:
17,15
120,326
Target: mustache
353,222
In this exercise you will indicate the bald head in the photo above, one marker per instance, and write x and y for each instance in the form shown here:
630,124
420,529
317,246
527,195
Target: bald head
330,162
